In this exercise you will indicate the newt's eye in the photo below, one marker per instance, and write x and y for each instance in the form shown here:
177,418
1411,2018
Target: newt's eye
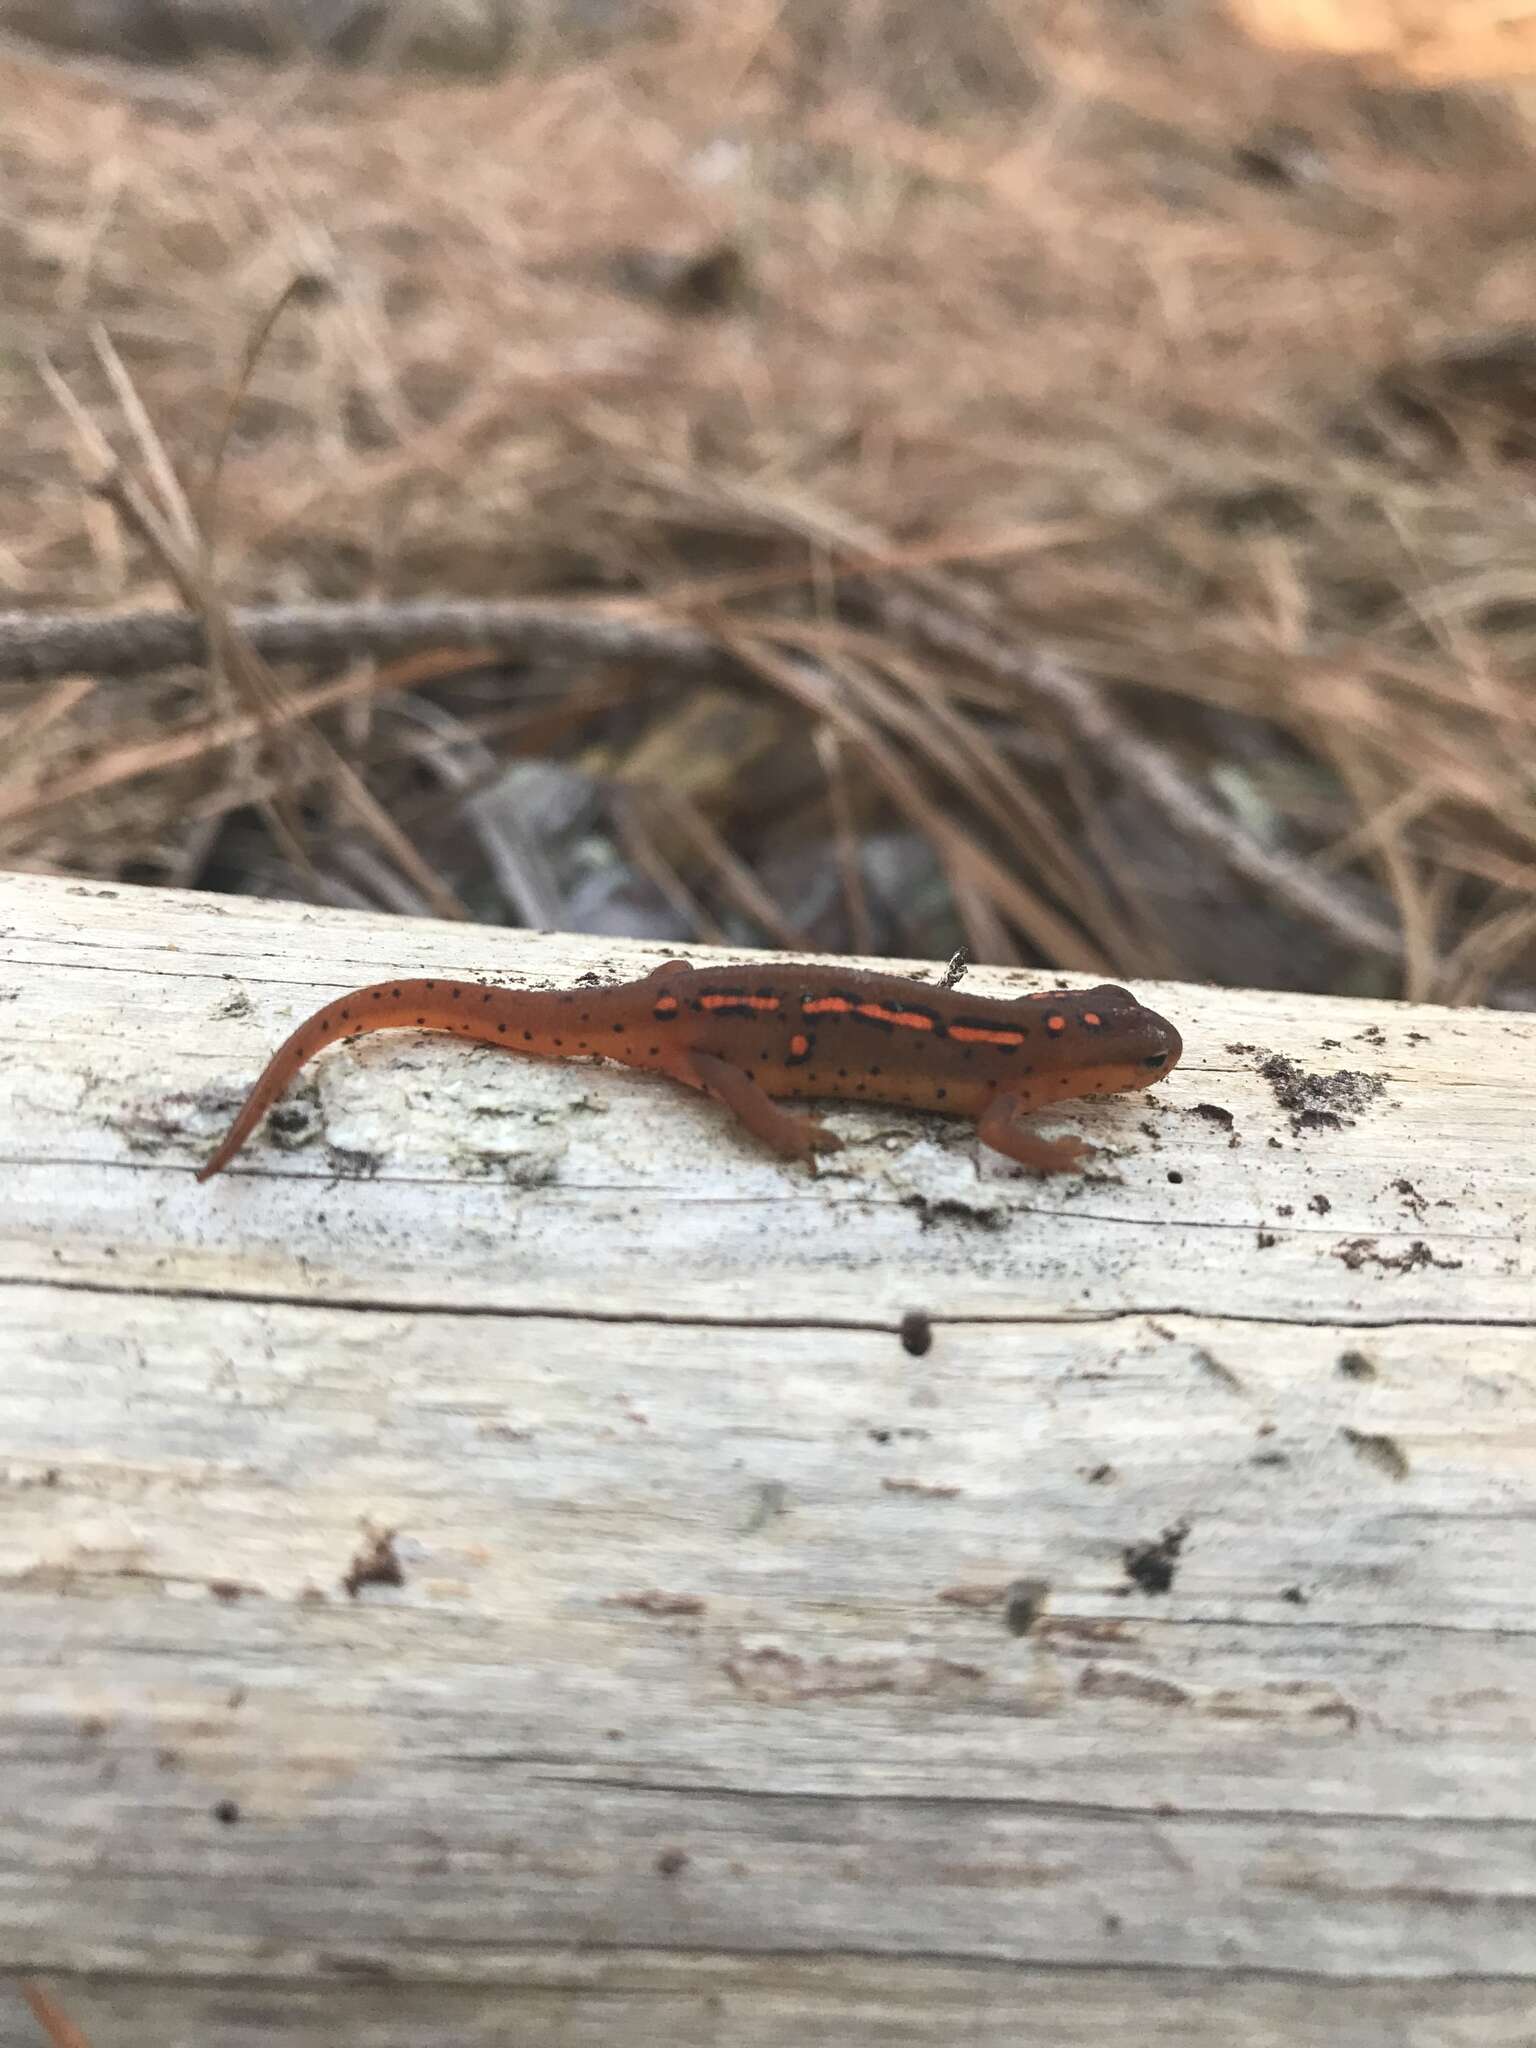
1156,1061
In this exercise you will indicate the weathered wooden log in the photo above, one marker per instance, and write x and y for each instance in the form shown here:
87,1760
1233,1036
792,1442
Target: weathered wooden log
512,1561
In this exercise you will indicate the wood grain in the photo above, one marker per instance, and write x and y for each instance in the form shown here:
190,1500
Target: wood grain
499,1565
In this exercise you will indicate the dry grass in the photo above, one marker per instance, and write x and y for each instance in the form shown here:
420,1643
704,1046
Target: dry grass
1052,428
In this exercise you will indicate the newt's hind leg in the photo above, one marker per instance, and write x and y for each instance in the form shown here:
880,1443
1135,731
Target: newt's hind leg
795,1137
1000,1127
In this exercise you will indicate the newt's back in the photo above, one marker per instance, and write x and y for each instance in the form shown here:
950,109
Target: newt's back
810,1030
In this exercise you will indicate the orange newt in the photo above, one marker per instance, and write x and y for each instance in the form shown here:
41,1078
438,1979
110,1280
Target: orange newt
747,1034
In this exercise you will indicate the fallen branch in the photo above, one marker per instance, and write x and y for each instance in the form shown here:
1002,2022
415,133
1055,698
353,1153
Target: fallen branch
37,646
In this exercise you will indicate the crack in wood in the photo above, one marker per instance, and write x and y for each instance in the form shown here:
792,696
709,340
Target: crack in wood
698,1320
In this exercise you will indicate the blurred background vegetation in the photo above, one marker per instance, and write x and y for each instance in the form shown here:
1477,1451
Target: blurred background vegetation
1089,444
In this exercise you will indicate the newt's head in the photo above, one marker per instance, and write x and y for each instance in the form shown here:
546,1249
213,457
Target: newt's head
1107,1031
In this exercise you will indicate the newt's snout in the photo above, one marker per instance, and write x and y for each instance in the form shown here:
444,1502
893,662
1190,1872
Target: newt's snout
1162,1047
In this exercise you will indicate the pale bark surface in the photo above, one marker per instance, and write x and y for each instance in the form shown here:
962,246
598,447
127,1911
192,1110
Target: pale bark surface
750,1674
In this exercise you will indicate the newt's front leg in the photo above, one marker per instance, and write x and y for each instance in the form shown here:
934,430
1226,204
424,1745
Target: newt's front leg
795,1137
1000,1126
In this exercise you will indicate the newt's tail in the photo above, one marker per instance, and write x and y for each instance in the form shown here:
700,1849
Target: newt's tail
463,1007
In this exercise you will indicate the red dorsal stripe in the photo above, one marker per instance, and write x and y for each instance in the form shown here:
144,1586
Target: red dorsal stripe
737,1001
976,1034
909,1020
